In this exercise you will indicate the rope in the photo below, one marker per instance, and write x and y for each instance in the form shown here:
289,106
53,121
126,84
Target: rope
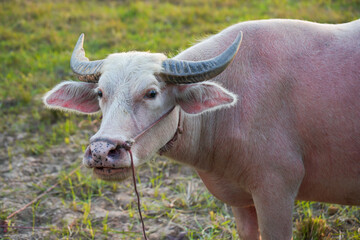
137,193
127,146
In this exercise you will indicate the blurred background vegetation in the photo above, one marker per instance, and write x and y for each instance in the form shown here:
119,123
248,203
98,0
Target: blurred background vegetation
37,39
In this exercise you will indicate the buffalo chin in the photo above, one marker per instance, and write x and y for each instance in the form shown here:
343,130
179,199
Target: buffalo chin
112,174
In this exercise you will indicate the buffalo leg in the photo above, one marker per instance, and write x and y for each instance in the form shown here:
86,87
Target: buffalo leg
246,222
274,205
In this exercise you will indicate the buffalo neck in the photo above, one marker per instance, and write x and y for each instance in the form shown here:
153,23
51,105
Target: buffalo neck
202,142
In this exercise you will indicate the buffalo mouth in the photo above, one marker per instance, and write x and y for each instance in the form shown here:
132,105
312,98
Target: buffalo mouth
112,174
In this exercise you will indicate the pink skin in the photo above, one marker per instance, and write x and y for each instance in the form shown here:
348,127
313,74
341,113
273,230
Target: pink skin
294,133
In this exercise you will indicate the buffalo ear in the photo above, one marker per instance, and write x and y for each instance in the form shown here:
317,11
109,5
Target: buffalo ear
201,97
73,96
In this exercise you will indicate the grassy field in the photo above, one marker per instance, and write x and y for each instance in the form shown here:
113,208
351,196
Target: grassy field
39,147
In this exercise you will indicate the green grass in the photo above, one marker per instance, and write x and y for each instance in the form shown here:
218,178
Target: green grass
36,42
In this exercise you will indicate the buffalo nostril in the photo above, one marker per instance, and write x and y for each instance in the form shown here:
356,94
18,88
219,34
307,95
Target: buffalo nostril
87,160
115,153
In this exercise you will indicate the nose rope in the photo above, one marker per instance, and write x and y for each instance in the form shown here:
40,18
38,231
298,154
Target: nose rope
137,194
127,146
132,140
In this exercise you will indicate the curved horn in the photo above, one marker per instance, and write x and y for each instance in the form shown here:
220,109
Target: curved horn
87,71
184,72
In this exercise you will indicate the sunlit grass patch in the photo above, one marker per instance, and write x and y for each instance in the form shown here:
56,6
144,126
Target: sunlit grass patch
326,221
311,228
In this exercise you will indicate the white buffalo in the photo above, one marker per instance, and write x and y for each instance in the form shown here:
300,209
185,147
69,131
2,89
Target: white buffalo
279,119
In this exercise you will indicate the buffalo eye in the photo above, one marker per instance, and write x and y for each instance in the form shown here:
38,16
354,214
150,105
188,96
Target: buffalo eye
99,93
151,94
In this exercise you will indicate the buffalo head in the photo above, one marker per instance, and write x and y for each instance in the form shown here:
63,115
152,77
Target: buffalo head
133,91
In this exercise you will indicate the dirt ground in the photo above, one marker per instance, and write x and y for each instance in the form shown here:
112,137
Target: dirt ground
170,206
